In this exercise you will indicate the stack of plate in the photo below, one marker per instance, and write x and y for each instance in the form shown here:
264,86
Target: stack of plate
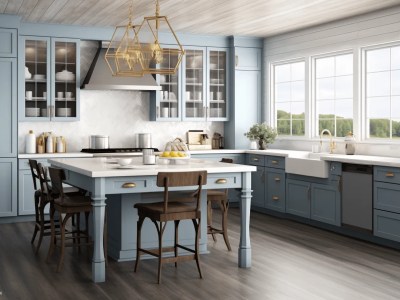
32,112
39,76
63,112
65,75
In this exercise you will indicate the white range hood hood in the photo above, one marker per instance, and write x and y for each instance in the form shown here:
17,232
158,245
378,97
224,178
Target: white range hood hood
99,77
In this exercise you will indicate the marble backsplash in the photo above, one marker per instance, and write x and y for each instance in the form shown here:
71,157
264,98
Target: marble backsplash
118,114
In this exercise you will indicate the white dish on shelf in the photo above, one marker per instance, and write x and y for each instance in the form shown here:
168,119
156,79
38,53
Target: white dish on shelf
213,66
63,112
32,112
39,76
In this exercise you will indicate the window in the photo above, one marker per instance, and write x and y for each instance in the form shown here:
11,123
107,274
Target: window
289,98
382,91
334,94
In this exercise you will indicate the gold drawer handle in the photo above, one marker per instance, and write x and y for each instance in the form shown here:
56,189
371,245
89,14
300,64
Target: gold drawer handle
221,181
275,162
129,185
389,174
255,159
277,179
275,198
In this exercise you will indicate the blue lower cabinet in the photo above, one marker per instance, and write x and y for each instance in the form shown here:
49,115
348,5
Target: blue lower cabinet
325,203
298,197
319,202
387,225
258,187
275,189
8,187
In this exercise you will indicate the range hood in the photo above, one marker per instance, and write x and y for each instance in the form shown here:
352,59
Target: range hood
97,75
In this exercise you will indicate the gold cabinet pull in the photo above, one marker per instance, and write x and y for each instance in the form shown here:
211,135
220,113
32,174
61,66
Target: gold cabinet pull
221,181
277,179
275,162
255,159
275,198
389,174
129,185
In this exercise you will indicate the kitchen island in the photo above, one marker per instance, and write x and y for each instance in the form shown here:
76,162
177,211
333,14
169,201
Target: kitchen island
101,178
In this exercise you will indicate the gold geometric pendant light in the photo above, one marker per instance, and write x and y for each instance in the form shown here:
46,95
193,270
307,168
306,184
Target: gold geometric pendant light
158,58
124,53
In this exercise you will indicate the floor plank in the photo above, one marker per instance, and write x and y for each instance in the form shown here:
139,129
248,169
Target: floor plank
290,261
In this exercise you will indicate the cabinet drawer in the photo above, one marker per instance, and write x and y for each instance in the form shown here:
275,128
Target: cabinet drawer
387,196
275,162
255,159
275,190
23,164
127,185
387,174
229,180
387,225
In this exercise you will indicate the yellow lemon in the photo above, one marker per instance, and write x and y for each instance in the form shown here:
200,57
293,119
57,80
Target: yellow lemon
166,154
173,154
181,154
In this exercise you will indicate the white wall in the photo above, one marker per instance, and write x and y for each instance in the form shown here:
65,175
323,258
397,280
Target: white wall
119,114
348,34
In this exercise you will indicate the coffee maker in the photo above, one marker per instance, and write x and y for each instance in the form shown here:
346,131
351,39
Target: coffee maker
217,141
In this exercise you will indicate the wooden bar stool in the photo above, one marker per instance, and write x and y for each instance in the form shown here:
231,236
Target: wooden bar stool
219,197
67,206
175,207
41,200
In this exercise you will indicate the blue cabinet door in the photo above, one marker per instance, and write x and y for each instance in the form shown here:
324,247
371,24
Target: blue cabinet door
8,187
8,104
8,45
325,203
275,189
298,197
258,187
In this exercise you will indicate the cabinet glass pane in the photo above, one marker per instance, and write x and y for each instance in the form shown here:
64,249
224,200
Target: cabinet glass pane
36,78
65,79
194,97
217,84
169,104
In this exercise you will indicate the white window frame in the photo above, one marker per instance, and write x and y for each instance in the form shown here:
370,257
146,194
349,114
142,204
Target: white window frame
363,85
271,82
314,119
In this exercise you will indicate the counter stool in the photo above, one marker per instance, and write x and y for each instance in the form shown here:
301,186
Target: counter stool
219,197
67,206
41,200
175,207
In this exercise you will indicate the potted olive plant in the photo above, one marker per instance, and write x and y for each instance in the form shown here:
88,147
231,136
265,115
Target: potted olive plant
262,133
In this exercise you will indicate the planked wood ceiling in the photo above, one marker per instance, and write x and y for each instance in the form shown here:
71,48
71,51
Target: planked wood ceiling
216,17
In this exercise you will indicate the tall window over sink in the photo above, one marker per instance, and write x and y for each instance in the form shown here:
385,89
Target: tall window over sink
382,92
289,98
334,94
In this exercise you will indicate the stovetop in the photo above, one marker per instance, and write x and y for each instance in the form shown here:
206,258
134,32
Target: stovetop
116,150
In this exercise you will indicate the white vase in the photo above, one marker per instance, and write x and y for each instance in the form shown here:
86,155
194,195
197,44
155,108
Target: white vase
253,145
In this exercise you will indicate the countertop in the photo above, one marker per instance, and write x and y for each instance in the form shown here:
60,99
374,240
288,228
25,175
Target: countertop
102,167
54,155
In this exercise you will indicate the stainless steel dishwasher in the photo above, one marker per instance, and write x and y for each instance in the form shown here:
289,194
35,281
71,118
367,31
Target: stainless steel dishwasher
357,206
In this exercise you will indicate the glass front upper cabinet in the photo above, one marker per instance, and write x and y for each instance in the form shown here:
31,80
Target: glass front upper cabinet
36,74
217,104
168,99
51,77
195,104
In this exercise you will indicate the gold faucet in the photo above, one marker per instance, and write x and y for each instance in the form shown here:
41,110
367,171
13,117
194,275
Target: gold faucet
332,144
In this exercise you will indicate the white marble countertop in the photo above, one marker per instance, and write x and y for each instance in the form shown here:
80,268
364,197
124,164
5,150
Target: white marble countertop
54,155
363,159
102,167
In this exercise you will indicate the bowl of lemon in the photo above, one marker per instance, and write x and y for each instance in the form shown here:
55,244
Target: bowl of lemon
175,150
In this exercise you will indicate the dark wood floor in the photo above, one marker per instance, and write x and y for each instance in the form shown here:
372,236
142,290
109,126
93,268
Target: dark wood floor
290,261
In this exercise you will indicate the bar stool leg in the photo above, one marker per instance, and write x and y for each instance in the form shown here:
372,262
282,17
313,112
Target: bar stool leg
138,240
53,240
176,240
36,218
224,210
196,253
41,222
209,220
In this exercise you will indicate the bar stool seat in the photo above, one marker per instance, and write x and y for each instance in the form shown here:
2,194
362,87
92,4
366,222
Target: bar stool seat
175,207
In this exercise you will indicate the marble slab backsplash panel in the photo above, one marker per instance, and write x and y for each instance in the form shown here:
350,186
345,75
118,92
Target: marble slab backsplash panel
118,114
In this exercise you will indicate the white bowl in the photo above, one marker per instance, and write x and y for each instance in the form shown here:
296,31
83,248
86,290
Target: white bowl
63,112
39,76
32,111
124,161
